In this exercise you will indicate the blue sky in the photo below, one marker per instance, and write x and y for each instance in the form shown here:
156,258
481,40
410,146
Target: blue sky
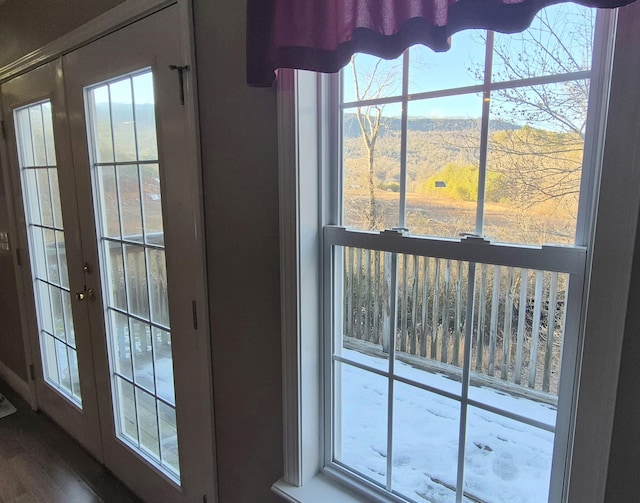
461,66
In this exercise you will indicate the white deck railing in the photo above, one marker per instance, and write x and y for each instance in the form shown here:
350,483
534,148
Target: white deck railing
518,315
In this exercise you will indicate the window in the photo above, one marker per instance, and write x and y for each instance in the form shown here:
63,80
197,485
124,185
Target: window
45,230
448,313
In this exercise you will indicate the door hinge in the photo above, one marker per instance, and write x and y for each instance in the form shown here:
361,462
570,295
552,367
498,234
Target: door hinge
32,372
18,257
4,131
204,498
195,315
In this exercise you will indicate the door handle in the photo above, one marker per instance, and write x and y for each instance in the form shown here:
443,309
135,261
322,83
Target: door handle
88,294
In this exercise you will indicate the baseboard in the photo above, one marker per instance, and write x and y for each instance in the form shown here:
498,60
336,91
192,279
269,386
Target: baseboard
19,385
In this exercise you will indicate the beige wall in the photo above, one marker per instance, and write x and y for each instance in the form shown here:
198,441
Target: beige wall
239,145
11,345
239,148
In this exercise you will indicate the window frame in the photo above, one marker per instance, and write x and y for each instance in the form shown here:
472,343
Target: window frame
304,208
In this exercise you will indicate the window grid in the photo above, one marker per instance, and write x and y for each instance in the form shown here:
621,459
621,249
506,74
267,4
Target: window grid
144,404
34,133
340,244
486,89
475,270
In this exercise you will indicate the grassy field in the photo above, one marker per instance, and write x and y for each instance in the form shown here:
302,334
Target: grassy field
426,215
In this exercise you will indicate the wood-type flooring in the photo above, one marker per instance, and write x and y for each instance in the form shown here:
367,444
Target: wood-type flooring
40,463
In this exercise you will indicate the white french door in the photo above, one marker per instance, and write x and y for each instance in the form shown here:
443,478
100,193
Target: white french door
123,348
52,267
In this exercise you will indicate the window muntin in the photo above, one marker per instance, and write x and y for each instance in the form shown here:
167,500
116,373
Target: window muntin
457,364
128,201
45,233
502,372
501,107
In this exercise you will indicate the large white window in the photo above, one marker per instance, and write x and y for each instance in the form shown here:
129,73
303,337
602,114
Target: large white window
444,267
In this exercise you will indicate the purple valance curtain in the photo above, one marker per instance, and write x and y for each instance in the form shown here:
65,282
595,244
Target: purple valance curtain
322,35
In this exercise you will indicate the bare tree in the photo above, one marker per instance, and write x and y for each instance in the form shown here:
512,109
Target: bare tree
371,85
543,161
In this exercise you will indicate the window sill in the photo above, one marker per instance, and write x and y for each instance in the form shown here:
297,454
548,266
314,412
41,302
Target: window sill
319,489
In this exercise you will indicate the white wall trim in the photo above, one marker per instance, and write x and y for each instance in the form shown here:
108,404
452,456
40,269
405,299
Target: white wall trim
300,253
289,273
123,14
18,384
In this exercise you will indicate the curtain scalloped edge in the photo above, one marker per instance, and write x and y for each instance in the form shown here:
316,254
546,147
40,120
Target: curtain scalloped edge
263,60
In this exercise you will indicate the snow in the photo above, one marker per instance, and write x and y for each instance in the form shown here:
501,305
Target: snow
505,461
144,374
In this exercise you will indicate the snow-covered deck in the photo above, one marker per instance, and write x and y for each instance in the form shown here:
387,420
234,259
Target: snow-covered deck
504,460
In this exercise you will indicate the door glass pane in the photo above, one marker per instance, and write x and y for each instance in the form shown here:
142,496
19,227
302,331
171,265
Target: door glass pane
168,436
126,181
45,232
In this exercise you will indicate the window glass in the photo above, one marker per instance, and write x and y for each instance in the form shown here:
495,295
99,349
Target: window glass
505,164
446,361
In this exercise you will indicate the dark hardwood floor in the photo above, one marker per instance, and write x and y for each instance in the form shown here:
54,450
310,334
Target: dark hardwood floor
40,463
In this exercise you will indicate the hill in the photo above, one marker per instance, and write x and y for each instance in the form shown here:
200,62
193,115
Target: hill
351,129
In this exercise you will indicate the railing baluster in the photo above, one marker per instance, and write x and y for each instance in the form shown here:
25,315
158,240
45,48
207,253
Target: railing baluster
404,305
445,312
376,298
482,308
506,332
367,295
458,319
386,306
535,330
551,329
414,305
436,308
522,315
350,275
493,329
425,306
358,299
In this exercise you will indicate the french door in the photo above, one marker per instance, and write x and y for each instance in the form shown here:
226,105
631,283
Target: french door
106,168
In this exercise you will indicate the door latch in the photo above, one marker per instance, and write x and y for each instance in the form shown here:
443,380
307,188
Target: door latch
180,70
88,294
